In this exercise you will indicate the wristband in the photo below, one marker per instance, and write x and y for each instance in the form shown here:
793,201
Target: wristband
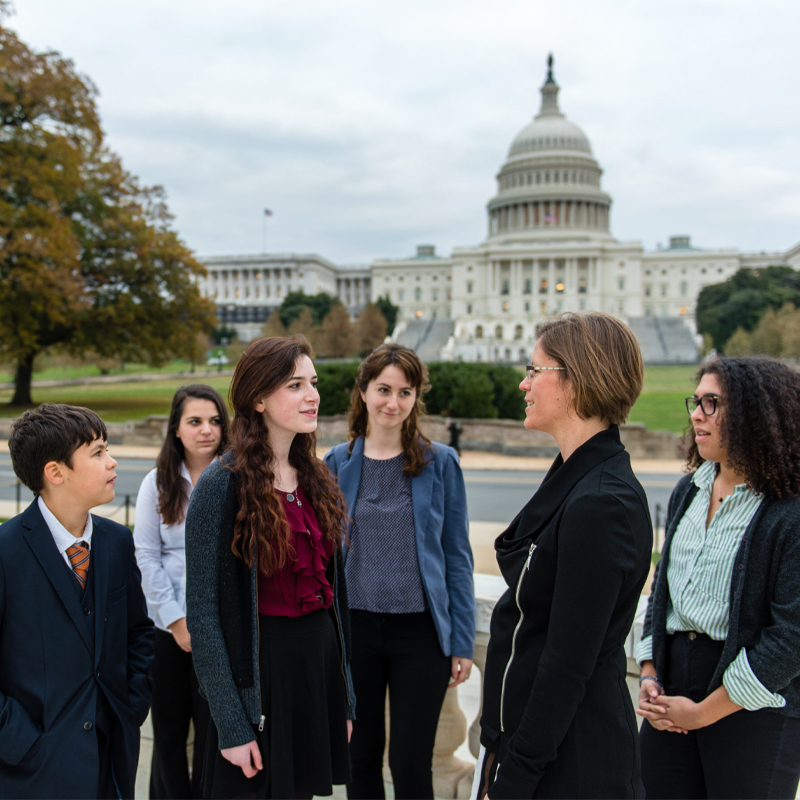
650,678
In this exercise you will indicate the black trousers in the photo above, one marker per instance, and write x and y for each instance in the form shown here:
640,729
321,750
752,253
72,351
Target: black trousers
401,652
748,754
176,701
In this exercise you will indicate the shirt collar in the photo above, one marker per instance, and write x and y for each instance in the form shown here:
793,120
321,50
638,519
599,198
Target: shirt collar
704,477
185,473
62,537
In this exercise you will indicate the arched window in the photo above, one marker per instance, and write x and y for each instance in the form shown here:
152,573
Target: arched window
498,332
479,331
518,332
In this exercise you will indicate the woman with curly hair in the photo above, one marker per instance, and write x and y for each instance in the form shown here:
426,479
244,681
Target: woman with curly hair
267,607
409,573
197,433
720,653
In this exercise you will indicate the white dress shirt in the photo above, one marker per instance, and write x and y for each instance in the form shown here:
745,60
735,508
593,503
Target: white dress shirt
61,536
161,554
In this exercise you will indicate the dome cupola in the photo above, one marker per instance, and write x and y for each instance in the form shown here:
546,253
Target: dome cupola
550,184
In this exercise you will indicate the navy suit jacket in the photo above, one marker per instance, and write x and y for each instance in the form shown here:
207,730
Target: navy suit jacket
50,670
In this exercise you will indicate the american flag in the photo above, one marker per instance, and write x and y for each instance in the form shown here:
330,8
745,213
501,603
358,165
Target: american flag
267,212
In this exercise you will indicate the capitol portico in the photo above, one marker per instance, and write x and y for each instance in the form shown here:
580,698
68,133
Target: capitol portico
548,249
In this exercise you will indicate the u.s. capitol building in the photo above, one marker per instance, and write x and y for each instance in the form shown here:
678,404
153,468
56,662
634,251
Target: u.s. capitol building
548,249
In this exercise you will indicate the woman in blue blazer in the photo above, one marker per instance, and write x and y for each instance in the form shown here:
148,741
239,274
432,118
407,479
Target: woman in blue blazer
408,566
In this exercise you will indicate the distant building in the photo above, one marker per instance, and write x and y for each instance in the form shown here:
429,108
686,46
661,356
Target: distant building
548,249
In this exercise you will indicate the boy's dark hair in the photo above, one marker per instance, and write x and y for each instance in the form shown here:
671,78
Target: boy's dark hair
52,432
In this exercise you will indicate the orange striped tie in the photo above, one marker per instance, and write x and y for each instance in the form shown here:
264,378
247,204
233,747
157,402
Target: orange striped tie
78,555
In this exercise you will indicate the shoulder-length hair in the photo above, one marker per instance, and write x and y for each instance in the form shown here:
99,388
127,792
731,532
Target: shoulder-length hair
416,445
260,524
759,423
173,495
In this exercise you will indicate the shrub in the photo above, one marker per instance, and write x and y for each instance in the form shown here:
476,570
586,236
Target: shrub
336,381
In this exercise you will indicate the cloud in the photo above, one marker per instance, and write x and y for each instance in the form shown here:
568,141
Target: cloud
368,127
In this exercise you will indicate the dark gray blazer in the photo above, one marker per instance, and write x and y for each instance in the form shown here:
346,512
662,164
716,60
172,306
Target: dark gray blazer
764,598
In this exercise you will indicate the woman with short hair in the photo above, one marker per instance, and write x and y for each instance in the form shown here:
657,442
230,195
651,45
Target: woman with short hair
409,573
197,434
557,717
720,653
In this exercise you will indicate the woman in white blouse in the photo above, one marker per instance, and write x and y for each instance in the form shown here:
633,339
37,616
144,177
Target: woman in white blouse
197,433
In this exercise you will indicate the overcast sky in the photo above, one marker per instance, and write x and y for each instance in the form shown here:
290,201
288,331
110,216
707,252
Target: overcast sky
370,127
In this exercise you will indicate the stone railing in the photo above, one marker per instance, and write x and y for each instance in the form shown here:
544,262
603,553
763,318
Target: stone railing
452,777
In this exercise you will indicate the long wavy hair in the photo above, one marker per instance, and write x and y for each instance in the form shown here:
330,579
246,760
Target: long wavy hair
416,445
759,424
173,494
260,524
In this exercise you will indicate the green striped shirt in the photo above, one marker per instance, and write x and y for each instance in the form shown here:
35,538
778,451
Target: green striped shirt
701,563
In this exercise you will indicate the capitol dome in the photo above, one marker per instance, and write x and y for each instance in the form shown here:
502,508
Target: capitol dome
550,183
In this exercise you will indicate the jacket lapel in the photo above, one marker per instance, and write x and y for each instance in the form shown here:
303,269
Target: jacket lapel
421,492
349,477
557,485
40,540
100,558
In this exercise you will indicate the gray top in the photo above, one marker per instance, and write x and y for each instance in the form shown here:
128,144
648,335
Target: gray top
382,567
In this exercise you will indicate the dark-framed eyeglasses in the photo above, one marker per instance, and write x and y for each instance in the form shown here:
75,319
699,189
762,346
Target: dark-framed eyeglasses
532,370
708,402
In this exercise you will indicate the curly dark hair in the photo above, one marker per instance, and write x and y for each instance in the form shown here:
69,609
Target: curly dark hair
260,523
416,445
759,424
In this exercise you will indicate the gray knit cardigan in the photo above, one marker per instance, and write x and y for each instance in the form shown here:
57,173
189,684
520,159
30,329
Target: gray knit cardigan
222,611
764,597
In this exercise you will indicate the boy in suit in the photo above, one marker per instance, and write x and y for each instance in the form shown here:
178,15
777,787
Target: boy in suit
75,640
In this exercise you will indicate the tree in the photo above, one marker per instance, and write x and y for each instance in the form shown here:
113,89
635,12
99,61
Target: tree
88,262
738,344
273,326
371,329
338,336
389,311
743,299
767,339
791,336
319,305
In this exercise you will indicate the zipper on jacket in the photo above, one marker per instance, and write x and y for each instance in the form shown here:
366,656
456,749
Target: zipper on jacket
339,630
516,631
262,718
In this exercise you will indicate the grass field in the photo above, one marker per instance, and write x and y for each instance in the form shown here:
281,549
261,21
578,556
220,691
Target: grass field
660,406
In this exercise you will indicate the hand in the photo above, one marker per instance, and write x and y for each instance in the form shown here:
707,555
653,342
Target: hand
459,670
349,730
181,635
247,756
649,692
680,714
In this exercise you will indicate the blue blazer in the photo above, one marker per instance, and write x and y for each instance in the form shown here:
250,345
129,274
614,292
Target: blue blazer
442,529
50,670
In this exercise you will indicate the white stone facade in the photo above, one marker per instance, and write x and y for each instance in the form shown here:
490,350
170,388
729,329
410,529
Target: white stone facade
548,249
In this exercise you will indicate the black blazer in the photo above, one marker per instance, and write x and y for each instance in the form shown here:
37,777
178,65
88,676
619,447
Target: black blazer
556,709
764,597
50,670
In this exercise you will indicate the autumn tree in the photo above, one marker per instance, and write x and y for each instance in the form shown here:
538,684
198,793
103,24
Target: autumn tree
371,329
319,304
273,326
88,261
388,310
338,336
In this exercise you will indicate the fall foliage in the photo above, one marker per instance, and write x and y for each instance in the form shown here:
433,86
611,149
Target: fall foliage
88,261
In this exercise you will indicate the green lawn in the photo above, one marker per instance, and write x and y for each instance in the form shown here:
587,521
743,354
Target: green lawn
660,406
66,372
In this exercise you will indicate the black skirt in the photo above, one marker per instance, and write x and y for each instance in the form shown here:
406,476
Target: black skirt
304,742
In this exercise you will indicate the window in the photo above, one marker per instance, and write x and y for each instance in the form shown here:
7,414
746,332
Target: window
469,308
479,331
621,284
527,305
498,332
435,295
543,286
506,306
505,287
527,286
418,293
401,295
582,286
560,288
664,289
648,290
518,332
684,288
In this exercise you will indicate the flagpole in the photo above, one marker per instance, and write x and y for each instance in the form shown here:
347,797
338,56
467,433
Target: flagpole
264,235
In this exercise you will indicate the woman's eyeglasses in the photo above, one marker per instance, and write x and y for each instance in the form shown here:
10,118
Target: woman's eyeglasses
532,370
708,402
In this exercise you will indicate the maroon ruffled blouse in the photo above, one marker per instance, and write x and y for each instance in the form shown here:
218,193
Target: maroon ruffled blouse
300,587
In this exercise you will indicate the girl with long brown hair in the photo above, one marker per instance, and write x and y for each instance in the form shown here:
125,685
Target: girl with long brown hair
197,433
409,573
265,590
